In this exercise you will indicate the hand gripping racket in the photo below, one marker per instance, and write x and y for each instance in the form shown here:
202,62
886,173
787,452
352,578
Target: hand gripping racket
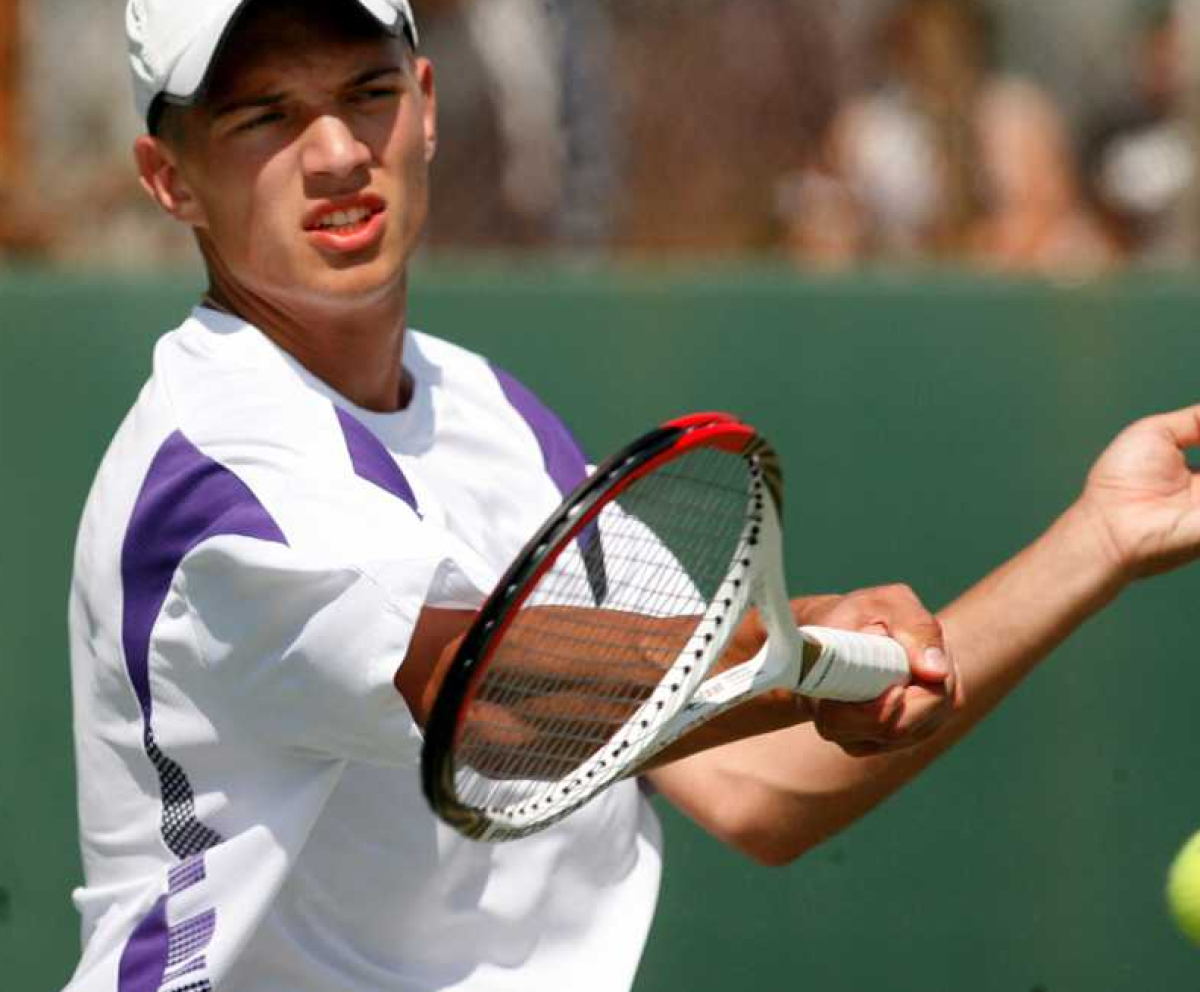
606,639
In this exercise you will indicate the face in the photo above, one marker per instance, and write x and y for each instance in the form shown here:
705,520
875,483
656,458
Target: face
305,172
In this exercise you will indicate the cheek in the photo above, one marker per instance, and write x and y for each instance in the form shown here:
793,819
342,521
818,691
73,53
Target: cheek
407,149
413,167
247,213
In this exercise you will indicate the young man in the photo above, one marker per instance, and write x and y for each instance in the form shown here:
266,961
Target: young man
302,511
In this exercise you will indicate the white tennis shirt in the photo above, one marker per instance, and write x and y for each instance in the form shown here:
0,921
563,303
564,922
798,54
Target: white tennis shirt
251,561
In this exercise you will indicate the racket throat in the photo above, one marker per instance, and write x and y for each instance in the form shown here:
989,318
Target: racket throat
787,656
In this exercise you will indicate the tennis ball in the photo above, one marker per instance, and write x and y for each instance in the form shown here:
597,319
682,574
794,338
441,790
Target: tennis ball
1183,888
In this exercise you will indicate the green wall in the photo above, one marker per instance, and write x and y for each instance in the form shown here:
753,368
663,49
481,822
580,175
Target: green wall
929,428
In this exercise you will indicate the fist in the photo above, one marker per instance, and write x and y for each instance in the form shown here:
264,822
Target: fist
905,714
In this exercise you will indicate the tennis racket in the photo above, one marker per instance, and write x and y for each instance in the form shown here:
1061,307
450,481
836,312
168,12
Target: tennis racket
604,642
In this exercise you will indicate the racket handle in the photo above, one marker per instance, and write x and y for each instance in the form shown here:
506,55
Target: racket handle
852,667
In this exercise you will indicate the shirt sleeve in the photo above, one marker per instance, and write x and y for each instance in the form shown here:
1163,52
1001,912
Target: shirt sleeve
300,642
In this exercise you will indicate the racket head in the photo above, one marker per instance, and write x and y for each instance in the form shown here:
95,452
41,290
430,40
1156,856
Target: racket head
484,771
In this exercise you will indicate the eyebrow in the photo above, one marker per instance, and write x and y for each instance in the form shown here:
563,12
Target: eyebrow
373,74
233,106
274,99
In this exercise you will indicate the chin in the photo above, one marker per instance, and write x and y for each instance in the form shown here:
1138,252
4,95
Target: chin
360,284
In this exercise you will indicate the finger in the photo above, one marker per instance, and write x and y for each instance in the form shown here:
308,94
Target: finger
922,714
840,722
897,612
863,749
1182,426
932,665
923,643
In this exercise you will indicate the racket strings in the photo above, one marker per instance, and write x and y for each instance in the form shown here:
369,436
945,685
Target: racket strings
569,673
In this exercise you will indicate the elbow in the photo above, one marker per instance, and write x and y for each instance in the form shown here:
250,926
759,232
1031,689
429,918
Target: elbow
769,837
774,852
772,826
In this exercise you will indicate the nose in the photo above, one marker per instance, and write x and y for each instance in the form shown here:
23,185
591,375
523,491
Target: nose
332,149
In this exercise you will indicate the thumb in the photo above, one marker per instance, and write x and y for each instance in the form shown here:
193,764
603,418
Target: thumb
930,665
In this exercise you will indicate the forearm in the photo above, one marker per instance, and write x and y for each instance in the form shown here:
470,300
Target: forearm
997,632
1001,628
785,793
551,683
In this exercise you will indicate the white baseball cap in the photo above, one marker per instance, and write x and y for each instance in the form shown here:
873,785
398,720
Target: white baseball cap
172,43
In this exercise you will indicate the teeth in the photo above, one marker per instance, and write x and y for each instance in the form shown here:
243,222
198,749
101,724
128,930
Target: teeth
344,218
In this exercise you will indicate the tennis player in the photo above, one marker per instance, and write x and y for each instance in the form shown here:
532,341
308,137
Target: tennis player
304,508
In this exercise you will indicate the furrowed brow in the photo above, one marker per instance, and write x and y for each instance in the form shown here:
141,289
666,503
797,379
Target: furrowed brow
274,99
249,103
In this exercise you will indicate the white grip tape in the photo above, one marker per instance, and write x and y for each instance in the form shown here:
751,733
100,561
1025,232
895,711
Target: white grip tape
852,667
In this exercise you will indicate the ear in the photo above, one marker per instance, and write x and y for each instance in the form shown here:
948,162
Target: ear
424,73
161,178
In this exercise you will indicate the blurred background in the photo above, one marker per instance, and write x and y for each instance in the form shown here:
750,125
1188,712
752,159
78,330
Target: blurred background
938,250
1052,138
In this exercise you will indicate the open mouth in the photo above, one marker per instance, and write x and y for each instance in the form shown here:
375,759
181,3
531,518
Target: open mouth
347,226
343,221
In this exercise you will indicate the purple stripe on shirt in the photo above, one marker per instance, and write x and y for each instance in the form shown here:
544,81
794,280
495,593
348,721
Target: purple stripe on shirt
144,960
186,874
564,460
186,499
565,464
372,461
191,937
196,964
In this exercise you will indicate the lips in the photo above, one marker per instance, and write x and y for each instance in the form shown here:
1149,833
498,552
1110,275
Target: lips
348,224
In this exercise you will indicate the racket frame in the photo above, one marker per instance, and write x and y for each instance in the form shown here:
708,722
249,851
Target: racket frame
579,510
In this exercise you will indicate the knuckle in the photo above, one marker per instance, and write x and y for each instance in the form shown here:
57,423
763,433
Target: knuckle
901,733
930,629
921,629
897,591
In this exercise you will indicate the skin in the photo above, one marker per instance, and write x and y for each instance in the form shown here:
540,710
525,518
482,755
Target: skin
295,122
291,127
899,718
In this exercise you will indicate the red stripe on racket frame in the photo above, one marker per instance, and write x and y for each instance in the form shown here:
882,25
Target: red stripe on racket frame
702,430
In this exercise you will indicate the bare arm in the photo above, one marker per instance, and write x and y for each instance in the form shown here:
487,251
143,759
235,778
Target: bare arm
777,796
558,685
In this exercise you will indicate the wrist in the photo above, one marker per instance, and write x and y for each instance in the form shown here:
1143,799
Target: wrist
1084,545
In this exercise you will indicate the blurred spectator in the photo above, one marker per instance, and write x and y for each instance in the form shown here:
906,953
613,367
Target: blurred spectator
1035,217
553,97
517,43
944,158
722,97
19,236
1140,155
90,210
550,148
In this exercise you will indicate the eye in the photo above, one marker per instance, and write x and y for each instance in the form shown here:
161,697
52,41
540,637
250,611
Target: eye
372,93
260,120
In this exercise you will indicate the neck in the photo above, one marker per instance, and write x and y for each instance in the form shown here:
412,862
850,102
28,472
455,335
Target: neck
355,350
